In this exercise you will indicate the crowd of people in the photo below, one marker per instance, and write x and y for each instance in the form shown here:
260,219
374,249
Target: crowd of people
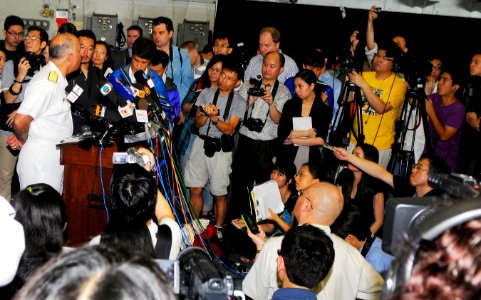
234,124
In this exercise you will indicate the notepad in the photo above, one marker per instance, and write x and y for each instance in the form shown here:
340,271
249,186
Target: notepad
301,123
265,196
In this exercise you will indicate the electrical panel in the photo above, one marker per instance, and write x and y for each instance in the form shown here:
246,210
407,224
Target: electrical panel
44,24
146,25
104,27
193,31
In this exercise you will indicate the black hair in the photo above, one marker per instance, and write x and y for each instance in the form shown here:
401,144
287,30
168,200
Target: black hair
282,58
109,272
132,236
41,211
160,58
315,58
144,48
164,20
232,64
12,21
391,48
365,186
43,33
68,28
109,63
286,168
352,221
86,33
132,193
207,48
225,36
437,165
314,170
307,75
308,255
138,28
455,73
204,79
289,170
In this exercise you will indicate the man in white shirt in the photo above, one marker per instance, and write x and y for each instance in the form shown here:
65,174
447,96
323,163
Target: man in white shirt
351,275
44,117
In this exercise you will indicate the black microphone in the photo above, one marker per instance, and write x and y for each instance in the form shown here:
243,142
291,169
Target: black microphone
149,89
453,187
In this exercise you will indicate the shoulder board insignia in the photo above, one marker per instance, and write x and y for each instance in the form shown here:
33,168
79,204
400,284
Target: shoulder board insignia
53,76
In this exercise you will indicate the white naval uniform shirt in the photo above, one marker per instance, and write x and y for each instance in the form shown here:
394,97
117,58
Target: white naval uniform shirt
45,101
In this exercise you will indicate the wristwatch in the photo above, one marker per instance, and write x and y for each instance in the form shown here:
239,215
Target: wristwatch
215,122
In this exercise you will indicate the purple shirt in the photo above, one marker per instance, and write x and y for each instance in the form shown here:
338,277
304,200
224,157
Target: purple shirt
452,115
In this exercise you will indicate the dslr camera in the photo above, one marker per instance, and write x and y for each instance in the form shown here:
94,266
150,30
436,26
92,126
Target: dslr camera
255,87
254,124
36,61
211,145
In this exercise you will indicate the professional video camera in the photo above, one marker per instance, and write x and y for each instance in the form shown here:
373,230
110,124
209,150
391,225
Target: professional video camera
202,278
36,61
255,87
415,74
403,214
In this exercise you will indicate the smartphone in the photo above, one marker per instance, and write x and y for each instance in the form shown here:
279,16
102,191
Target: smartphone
251,224
327,146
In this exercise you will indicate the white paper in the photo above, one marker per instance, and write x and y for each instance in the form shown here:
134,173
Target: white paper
265,196
301,123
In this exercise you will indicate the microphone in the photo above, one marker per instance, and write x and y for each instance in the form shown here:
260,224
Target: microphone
120,88
452,186
148,86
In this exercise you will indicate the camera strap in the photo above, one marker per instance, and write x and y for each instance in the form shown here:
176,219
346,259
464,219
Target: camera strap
274,92
227,107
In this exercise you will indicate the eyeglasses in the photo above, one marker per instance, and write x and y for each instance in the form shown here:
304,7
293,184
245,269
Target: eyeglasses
32,37
383,57
217,71
17,34
310,202
420,167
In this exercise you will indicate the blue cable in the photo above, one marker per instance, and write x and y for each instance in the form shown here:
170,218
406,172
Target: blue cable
102,184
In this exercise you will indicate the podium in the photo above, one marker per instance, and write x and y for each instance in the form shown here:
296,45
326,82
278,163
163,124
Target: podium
82,190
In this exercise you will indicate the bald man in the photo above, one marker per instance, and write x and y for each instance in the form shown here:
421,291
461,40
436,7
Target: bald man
351,276
44,118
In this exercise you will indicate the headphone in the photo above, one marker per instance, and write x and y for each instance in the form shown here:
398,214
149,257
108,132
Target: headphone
430,226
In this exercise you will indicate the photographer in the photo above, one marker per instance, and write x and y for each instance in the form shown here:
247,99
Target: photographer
258,132
220,111
382,96
15,78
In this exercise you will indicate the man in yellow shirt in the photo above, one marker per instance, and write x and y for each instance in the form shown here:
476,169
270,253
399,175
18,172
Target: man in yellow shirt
382,96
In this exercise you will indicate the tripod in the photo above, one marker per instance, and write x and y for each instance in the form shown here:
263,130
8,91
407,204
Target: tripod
413,112
350,105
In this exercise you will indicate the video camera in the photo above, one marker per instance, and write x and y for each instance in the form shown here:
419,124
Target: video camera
403,214
415,74
202,278
132,156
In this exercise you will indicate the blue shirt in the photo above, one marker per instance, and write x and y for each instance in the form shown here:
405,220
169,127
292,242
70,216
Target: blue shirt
380,260
180,72
293,294
328,79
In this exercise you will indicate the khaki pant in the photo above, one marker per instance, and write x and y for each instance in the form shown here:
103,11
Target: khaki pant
7,167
